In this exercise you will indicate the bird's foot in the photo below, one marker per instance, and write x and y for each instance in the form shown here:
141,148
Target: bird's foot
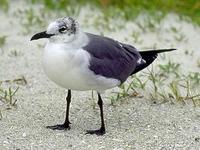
100,131
64,126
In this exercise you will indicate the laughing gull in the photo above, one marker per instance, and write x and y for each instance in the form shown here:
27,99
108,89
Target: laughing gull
76,60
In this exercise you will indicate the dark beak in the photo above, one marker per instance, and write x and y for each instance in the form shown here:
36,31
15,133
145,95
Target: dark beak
41,35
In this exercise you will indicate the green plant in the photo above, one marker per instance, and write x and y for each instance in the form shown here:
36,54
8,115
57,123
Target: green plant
195,78
161,88
138,82
2,40
175,92
136,37
130,9
6,96
8,92
20,80
1,116
189,52
198,62
169,68
187,90
123,92
52,4
14,53
127,90
93,100
154,79
31,19
175,30
180,37
4,4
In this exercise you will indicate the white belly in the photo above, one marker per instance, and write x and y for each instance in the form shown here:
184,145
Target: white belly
69,69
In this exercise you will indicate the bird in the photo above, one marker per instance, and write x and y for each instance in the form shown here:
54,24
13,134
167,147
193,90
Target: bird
81,61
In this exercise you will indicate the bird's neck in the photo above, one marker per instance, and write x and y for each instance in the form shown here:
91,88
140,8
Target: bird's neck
80,40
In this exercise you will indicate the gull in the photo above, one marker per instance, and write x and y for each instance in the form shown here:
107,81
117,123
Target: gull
76,60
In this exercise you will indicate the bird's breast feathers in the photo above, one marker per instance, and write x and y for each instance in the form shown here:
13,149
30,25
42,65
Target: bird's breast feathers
69,68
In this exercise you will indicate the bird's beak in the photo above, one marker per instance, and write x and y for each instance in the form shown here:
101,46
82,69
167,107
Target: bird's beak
41,35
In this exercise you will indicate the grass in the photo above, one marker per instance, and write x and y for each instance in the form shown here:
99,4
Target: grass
130,9
194,77
150,23
14,53
29,18
128,89
20,81
8,92
198,63
2,40
169,68
7,98
156,85
4,4
180,91
136,37
180,37
154,11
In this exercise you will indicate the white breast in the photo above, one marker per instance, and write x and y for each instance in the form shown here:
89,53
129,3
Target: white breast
69,68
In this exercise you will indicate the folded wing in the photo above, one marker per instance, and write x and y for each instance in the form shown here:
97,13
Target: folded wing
111,58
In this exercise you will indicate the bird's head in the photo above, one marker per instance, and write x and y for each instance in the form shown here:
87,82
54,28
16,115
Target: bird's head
61,30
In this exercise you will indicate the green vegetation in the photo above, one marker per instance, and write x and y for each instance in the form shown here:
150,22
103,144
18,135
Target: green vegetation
20,81
30,18
168,68
4,4
160,88
7,99
8,92
195,78
6,96
130,9
129,89
198,63
2,40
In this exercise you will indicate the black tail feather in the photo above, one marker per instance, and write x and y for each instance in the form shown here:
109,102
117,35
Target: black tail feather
149,56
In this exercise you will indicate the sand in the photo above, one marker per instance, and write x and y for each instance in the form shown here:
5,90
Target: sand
137,123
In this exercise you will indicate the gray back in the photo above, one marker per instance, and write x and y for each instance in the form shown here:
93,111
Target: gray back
111,58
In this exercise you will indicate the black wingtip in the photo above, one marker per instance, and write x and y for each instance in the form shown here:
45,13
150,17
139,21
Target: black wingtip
169,49
165,50
160,50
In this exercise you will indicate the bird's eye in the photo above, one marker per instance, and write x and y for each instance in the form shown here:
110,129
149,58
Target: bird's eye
63,29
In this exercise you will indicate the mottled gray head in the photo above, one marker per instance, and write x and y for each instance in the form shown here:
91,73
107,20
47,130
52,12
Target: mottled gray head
62,30
66,25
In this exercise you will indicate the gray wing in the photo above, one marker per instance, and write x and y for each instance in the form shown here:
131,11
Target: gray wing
111,58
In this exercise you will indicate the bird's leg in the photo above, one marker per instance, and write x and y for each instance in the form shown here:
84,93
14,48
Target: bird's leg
100,131
65,125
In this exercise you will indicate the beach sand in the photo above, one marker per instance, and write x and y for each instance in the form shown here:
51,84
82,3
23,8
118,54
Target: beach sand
137,123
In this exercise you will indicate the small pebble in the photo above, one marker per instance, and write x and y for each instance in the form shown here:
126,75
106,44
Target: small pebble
24,134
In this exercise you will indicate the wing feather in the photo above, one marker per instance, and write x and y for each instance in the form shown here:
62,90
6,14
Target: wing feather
111,58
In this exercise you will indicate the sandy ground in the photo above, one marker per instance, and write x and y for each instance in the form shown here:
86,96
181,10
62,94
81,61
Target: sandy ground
135,124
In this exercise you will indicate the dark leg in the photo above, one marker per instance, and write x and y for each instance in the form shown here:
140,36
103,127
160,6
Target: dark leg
100,131
65,125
